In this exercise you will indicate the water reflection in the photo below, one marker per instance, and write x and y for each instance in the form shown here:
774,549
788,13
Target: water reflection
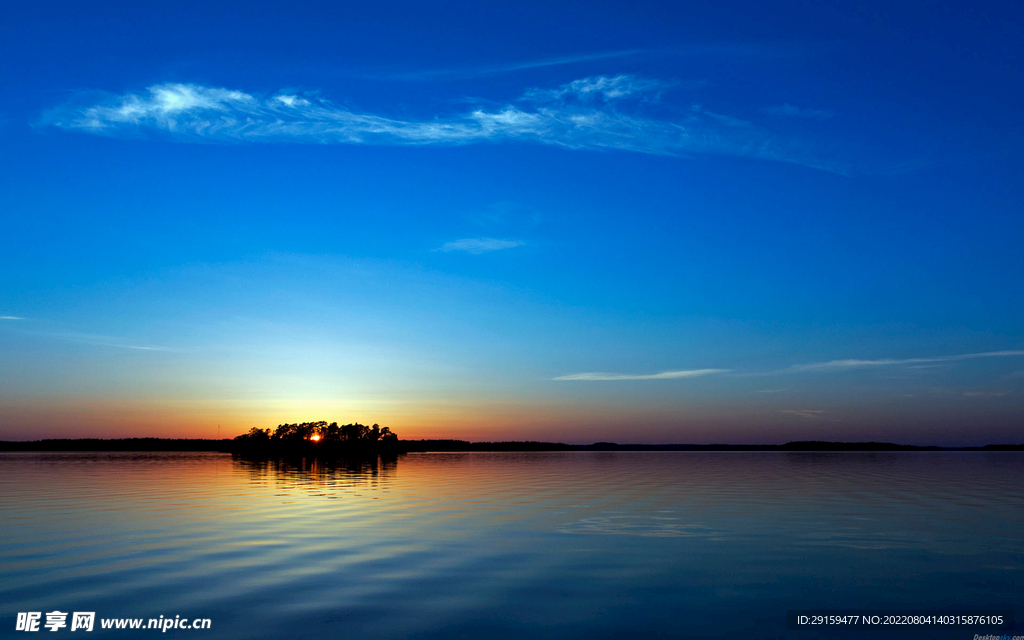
507,545
316,474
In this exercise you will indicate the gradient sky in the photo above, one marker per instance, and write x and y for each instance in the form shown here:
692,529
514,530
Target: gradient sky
639,222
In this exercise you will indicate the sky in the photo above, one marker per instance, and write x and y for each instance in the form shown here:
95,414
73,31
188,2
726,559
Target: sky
702,222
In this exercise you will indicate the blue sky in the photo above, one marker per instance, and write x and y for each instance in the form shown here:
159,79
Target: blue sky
653,222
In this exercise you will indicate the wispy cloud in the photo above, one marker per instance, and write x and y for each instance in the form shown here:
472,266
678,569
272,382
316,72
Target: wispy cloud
489,70
595,113
810,414
479,245
598,88
720,118
822,367
103,341
735,51
984,394
80,337
664,375
844,365
790,111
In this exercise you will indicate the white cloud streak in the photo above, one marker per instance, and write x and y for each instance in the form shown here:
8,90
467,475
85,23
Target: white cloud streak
664,375
845,365
473,72
790,111
477,246
79,337
595,113
818,367
805,413
598,88
103,341
810,414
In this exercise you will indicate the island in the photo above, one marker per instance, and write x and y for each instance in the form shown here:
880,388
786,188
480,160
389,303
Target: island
318,438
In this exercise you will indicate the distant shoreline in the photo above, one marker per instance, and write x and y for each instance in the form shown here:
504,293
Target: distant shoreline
423,446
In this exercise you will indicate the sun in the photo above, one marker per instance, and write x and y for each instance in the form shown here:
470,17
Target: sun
314,437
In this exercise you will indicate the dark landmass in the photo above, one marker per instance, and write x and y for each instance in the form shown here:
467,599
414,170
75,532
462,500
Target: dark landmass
117,444
409,446
462,445
805,445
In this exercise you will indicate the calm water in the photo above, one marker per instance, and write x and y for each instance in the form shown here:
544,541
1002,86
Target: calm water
510,545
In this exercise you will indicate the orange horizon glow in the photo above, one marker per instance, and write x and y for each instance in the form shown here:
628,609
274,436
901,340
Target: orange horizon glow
492,420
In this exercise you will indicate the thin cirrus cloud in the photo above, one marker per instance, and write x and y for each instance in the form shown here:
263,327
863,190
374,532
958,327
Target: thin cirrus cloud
594,113
477,246
817,367
599,87
101,341
810,414
791,111
730,50
472,72
664,375
79,337
845,365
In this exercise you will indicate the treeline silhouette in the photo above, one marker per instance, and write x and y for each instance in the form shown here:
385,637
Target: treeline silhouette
321,438
117,444
421,446
803,445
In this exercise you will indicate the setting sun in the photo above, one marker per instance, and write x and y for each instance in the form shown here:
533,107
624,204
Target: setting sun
314,437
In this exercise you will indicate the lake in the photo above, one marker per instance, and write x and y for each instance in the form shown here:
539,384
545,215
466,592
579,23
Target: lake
511,545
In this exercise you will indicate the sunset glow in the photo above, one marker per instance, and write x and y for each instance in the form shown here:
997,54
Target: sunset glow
495,320
711,226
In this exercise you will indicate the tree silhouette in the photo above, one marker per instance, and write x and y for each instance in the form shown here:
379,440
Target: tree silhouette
319,437
256,435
